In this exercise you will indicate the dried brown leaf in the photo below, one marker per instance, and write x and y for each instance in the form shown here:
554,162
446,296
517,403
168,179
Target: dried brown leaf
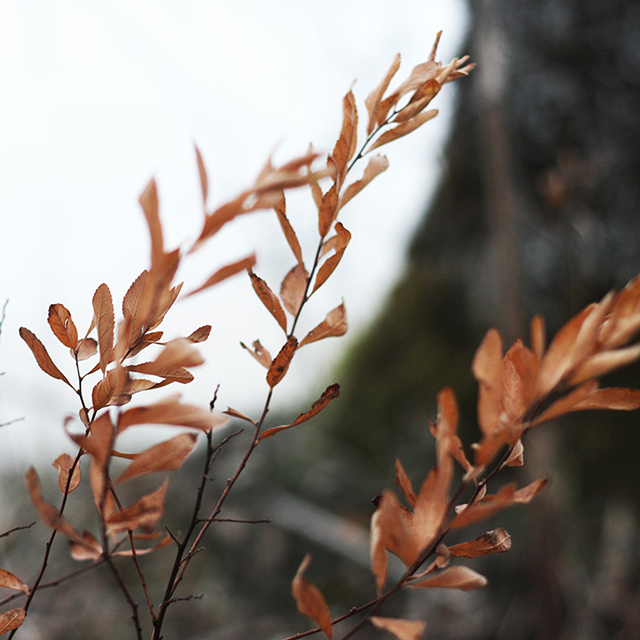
86,348
142,514
309,600
457,577
105,322
269,300
293,289
42,356
12,619
226,272
334,325
200,334
259,353
374,99
330,393
64,463
403,129
9,581
494,541
419,101
346,145
234,413
90,550
403,481
604,362
150,206
487,370
289,233
538,336
343,238
202,172
131,309
165,456
62,325
400,628
377,164
281,362
328,210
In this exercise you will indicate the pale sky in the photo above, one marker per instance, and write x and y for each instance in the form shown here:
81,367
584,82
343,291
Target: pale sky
98,97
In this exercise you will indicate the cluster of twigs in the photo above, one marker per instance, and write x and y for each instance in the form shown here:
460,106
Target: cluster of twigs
517,391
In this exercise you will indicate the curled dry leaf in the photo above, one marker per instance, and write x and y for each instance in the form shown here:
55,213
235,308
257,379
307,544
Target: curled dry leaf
165,456
342,239
66,466
142,514
259,353
294,288
87,348
334,325
328,210
345,147
90,550
12,619
226,272
403,481
374,99
330,393
201,334
62,325
202,172
281,362
309,600
269,300
403,129
287,229
42,356
9,581
457,577
494,541
400,628
377,164
105,323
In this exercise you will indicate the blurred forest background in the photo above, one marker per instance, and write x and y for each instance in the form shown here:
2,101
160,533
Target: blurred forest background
538,211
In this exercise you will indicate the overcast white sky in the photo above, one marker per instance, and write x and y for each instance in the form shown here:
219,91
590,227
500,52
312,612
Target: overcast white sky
98,97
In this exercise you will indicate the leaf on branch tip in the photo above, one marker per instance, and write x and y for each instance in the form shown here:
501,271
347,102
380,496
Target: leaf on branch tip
259,353
331,393
142,514
64,463
105,323
334,325
400,628
42,356
494,541
309,600
62,325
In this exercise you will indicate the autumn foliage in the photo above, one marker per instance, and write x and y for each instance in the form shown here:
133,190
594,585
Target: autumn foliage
114,360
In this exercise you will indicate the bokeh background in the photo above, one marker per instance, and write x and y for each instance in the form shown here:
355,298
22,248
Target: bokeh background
531,205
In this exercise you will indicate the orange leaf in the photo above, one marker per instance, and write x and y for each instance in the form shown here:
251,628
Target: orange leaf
42,357
281,362
269,300
90,550
602,363
377,164
62,325
403,481
201,334
334,325
330,393
87,347
419,100
259,353
342,240
404,128
142,514
346,145
374,99
64,463
538,336
400,628
150,206
487,370
105,323
328,210
289,233
202,172
457,577
293,289
226,272
494,541
11,619
131,308
309,600
165,456
10,581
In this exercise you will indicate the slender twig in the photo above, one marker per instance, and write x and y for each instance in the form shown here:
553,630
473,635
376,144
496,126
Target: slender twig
19,528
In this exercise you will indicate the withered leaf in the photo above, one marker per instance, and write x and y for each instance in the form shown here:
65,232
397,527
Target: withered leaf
330,393
202,172
201,334
494,541
105,323
538,336
404,128
328,267
165,456
87,347
226,272
150,206
11,619
269,300
604,362
334,325
172,412
374,99
328,210
419,100
140,552
346,145
487,370
377,164
403,481
287,229
142,514
234,413
64,463
281,362
309,600
259,353
293,289
42,356
62,325
9,581
131,309
457,577
90,550
400,628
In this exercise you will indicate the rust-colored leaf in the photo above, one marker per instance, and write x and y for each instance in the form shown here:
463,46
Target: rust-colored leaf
602,363
377,164
287,229
269,300
346,145
150,206
487,370
12,619
259,353
309,600
42,356
226,272
202,172
494,541
457,577
234,413
64,463
165,456
293,289
87,347
328,267
200,334
328,210
334,325
404,128
400,628
131,309
9,581
330,393
62,325
90,550
281,362
105,323
374,99
403,481
142,514
538,336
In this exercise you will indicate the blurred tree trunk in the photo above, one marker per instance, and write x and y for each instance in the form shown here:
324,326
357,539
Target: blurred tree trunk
538,211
